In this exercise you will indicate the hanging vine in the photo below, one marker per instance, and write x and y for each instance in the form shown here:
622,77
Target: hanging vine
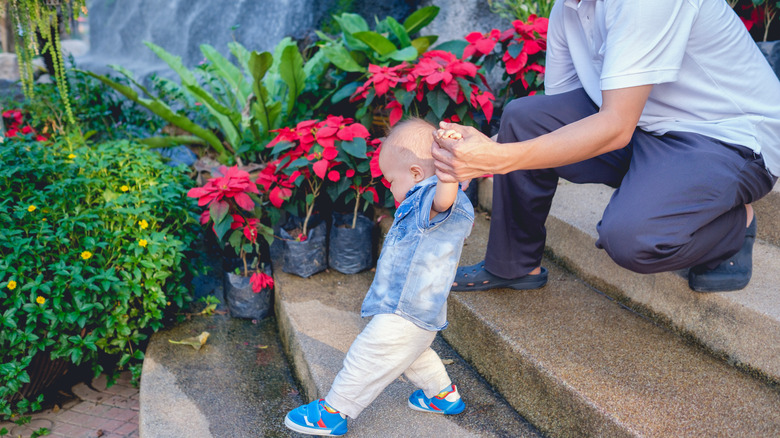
31,18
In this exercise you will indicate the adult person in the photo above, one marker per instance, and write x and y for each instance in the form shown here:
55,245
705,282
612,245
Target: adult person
668,101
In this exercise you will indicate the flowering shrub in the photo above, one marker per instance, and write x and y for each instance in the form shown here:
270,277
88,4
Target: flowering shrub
437,86
520,50
92,255
233,204
334,152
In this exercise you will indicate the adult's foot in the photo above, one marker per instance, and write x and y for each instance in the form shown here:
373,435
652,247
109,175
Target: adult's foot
732,274
477,278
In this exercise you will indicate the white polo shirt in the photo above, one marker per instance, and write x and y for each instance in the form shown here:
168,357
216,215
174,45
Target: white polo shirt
709,76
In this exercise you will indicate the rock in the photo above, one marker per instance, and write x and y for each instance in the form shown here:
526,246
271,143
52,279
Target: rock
118,29
457,19
178,155
74,47
9,67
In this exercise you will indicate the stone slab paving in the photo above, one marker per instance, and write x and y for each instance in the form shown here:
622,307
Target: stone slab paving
576,363
319,318
95,411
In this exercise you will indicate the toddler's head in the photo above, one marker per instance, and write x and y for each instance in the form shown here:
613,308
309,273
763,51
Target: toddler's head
405,158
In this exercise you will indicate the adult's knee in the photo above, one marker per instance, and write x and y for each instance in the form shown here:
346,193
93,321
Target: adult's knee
523,119
634,249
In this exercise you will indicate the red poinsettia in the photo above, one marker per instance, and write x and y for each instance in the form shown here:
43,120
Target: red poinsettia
482,43
381,79
230,207
260,281
234,184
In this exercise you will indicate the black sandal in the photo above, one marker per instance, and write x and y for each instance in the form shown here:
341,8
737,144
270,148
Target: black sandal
477,278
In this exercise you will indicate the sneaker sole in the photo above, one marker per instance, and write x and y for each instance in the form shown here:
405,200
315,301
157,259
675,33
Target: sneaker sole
417,408
307,430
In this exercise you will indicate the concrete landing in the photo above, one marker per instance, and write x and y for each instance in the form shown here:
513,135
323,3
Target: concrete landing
319,318
576,363
237,385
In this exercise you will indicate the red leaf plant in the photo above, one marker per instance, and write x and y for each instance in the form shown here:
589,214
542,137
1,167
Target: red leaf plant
233,203
15,129
436,86
520,50
314,156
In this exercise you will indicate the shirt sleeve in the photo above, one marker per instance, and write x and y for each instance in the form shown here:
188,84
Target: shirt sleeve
559,73
645,41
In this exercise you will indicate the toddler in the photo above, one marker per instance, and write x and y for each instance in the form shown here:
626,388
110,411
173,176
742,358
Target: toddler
408,297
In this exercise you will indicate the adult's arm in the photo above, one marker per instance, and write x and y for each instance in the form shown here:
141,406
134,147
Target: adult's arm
608,130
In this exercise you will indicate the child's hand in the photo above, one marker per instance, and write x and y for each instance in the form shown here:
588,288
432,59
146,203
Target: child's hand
454,135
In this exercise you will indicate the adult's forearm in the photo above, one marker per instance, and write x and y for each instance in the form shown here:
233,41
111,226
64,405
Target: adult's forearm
578,141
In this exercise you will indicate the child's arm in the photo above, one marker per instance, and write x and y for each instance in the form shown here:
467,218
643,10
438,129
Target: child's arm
446,193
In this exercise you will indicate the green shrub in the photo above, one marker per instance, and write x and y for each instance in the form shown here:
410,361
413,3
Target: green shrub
92,255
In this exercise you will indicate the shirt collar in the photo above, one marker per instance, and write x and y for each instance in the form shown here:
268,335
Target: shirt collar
426,182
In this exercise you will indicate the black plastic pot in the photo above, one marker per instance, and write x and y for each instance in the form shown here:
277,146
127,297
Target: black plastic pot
306,258
350,250
242,302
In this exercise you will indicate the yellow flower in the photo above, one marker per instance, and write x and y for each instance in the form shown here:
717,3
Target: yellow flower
124,188
31,208
86,255
40,300
143,224
142,243
11,285
71,156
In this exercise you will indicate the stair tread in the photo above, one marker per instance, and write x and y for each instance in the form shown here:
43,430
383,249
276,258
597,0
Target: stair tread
586,366
320,317
743,325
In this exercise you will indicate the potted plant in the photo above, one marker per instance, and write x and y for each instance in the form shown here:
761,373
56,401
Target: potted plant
350,247
308,159
235,212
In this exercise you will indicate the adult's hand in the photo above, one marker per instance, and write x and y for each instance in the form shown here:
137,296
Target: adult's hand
470,156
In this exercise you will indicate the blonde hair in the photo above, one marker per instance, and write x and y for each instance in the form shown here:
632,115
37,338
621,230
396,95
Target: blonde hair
411,140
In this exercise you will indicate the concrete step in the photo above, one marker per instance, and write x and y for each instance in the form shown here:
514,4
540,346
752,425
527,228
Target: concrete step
576,363
741,326
319,317
237,385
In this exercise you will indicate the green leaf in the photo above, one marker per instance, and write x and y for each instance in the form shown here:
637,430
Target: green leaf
515,49
420,18
291,71
218,211
438,101
350,24
407,54
377,42
345,92
341,58
399,31
165,112
235,239
223,227
356,147
455,47
228,71
258,64
423,43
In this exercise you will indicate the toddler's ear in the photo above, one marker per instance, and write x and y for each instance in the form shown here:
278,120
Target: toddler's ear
418,174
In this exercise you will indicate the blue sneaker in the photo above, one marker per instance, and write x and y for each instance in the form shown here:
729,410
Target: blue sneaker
446,402
316,418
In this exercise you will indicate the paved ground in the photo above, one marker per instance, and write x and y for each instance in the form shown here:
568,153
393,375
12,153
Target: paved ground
93,411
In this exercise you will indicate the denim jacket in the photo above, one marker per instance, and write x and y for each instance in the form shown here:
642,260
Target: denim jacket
419,258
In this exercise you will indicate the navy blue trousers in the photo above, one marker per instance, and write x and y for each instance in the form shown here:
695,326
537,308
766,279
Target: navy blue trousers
679,198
